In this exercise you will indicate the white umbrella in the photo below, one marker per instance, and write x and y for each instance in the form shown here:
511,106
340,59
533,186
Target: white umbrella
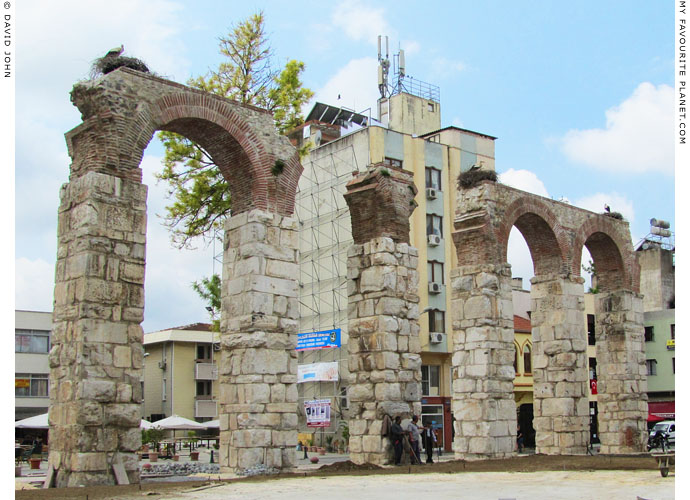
37,422
145,424
176,422
213,424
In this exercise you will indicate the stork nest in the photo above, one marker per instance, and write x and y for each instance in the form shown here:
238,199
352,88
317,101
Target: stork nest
105,65
471,178
614,215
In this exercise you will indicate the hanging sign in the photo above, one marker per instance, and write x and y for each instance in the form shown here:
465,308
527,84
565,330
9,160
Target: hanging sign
318,412
318,340
318,372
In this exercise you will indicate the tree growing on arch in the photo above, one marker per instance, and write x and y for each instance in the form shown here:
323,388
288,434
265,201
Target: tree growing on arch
199,195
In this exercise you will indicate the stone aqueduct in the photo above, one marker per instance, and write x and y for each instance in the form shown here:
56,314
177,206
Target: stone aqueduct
97,355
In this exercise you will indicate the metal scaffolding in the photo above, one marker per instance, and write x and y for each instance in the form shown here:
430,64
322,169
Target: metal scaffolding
325,235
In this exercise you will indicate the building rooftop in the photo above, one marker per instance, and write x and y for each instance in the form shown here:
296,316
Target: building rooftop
522,325
460,130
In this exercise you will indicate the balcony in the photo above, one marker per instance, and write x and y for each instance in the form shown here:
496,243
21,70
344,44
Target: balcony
205,371
205,408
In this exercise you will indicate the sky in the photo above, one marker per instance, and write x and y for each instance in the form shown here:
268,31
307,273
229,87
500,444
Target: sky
580,96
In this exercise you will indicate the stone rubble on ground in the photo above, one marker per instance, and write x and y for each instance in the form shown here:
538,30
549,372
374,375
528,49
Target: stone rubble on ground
182,469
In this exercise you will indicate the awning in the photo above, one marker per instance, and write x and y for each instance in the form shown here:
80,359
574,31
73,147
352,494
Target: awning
661,410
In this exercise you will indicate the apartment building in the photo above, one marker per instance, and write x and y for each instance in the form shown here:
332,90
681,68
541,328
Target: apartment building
181,373
31,368
407,134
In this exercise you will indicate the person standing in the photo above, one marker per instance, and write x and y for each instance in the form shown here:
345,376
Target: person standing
429,443
397,437
413,431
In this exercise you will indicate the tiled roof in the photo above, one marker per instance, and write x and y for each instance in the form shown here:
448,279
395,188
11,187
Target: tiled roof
522,325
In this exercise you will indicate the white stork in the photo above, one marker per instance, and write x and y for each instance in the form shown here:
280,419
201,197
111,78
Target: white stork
116,52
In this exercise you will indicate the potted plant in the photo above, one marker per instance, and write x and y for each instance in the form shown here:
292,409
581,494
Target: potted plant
153,456
314,460
194,456
176,458
35,462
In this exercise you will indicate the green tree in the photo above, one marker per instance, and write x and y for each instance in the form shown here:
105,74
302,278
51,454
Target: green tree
199,193
209,290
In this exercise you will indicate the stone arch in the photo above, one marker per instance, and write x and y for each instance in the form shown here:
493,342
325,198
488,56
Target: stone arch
542,232
97,355
611,251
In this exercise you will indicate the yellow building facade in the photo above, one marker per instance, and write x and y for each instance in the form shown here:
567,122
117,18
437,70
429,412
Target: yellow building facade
181,373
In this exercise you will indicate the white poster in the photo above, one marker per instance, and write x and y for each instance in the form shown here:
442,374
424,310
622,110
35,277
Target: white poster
318,372
318,412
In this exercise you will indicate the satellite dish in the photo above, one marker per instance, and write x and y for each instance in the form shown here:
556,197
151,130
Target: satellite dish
317,138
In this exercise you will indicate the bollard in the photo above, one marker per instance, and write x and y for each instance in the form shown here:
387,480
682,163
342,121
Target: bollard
211,457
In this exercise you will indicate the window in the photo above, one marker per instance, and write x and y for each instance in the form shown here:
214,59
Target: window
435,270
649,334
591,337
527,359
673,364
31,385
673,331
32,341
437,321
431,380
343,398
433,178
203,387
651,366
203,352
430,107
392,162
592,368
433,224
515,360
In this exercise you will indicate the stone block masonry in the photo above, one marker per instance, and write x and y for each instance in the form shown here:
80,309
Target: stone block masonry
621,372
383,312
483,352
383,345
258,363
96,356
559,366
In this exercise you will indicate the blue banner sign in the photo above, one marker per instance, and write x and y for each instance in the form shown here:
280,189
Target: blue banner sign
318,340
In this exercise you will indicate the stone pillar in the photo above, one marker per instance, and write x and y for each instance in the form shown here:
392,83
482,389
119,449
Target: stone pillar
483,354
97,356
621,372
559,365
383,328
258,365
383,345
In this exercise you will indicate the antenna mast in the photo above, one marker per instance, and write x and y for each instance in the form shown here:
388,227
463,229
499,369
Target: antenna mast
384,65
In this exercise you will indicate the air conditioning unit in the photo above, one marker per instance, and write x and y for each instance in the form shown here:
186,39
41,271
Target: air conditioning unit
162,365
434,240
434,288
431,193
436,338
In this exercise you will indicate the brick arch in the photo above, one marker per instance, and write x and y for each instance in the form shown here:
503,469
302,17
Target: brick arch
238,150
611,252
543,233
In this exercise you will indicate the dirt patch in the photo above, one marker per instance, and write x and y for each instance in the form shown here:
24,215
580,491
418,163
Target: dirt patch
348,466
532,463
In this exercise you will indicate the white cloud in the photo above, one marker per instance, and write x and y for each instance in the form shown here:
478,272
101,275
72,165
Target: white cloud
410,47
617,203
524,180
638,136
356,85
169,271
519,258
34,283
362,22
442,67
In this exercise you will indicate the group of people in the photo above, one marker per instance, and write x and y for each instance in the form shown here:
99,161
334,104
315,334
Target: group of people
415,434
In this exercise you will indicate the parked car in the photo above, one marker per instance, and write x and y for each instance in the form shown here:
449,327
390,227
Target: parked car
668,427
